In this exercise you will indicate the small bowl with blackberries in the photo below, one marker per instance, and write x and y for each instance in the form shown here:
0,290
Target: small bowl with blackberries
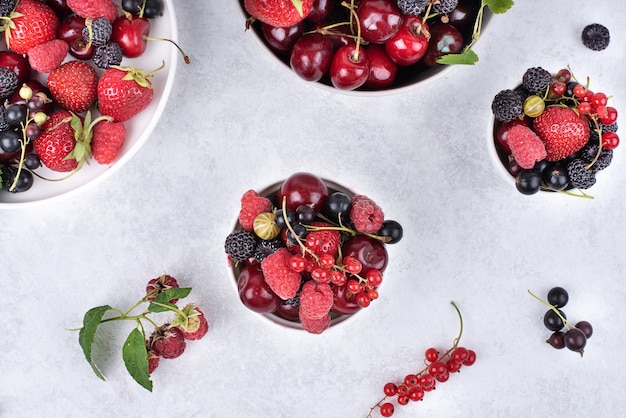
308,253
368,46
553,133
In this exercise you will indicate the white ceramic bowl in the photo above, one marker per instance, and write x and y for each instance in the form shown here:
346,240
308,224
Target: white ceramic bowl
138,129
408,78
273,318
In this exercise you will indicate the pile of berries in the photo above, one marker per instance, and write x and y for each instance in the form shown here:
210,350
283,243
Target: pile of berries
309,253
553,133
439,367
61,65
575,336
142,353
367,44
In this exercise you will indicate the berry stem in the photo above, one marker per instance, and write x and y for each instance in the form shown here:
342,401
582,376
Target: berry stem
354,15
553,308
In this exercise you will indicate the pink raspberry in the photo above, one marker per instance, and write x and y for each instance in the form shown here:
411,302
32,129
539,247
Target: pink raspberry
316,299
167,342
252,205
279,276
314,325
159,284
526,147
153,360
47,56
197,325
94,8
366,215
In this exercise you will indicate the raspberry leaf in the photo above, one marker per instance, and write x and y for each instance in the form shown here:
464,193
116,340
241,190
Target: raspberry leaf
135,357
499,6
87,334
163,299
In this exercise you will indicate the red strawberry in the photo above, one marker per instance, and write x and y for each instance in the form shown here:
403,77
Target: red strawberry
56,142
47,56
562,130
73,85
108,138
279,13
196,325
94,8
167,342
323,241
123,92
30,24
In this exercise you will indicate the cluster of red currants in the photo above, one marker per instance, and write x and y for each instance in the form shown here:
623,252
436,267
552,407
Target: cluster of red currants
438,368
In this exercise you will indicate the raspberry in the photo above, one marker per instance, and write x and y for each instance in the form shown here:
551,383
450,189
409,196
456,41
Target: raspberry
279,276
47,56
596,37
507,105
108,138
366,215
252,205
94,8
316,299
314,325
159,284
536,80
197,325
526,146
167,342
240,245
153,359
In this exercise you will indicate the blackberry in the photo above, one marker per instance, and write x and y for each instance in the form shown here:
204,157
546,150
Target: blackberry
536,80
100,31
8,83
4,125
265,248
507,105
107,55
7,174
7,6
412,7
596,37
589,152
609,128
294,301
579,176
444,6
240,245
7,177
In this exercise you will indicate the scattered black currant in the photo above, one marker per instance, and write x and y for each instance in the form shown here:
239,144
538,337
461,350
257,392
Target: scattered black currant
557,340
305,214
552,320
281,215
528,182
558,297
392,230
585,327
337,203
575,340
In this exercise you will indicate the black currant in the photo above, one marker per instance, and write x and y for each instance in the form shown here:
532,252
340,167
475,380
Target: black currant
555,178
392,230
300,230
15,114
24,181
305,214
337,202
153,8
557,340
541,166
132,6
528,182
10,141
558,297
32,161
585,327
575,340
283,217
552,321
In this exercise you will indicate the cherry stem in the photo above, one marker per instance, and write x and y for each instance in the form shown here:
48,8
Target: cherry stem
358,27
185,56
554,308
304,248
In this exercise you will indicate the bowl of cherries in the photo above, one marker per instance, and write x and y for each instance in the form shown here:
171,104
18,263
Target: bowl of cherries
369,46
307,253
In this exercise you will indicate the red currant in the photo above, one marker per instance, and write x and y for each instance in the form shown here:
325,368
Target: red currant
403,399
390,389
320,275
353,265
587,97
471,358
403,389
436,368
374,277
598,99
564,75
558,88
610,140
338,277
355,286
453,366
362,300
443,377
610,117
602,112
459,354
410,380
297,263
327,261
431,355
580,91
416,394
584,108
372,294
386,409
427,382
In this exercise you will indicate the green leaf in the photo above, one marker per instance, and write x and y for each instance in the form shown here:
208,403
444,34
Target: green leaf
499,6
153,307
466,57
88,332
298,5
135,357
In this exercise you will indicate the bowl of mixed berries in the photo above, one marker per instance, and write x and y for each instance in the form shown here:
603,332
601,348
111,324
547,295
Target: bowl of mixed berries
82,86
307,253
553,133
369,45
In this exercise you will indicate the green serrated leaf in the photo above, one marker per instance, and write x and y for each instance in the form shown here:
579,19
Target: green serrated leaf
135,357
467,57
165,296
161,307
87,334
499,6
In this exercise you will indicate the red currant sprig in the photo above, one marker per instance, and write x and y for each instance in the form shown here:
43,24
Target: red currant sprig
438,368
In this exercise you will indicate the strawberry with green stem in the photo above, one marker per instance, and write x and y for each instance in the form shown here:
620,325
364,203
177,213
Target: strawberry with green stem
31,23
279,13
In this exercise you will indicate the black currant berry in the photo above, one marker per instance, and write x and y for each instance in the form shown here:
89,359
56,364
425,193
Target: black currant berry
305,214
280,218
555,178
10,141
558,297
337,203
153,8
585,327
528,182
32,161
575,340
15,114
542,166
300,231
557,340
392,230
552,321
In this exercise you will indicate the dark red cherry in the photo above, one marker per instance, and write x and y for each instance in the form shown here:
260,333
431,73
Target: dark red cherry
502,132
382,69
17,63
369,251
464,14
303,189
410,43
349,68
344,302
70,31
131,35
60,7
379,20
444,39
254,292
320,10
288,311
311,56
282,40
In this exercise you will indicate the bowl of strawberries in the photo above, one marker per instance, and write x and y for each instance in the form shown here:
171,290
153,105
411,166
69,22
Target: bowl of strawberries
368,47
307,253
553,133
81,94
